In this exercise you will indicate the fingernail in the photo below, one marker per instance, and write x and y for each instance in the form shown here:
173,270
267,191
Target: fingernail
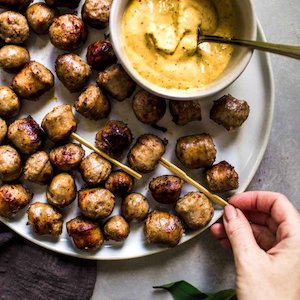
230,212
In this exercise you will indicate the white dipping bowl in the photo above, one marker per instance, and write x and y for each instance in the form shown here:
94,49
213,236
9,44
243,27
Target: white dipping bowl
246,29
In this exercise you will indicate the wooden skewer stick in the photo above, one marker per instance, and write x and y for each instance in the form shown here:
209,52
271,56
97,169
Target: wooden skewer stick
180,173
125,168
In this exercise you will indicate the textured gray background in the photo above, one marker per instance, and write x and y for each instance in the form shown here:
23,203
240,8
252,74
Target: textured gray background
202,261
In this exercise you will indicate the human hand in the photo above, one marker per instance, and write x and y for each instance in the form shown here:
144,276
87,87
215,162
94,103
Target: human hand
263,230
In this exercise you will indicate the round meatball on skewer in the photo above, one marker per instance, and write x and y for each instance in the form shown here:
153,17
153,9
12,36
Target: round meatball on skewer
67,157
10,163
195,209
94,169
38,168
93,104
120,183
44,219
13,57
26,135
146,153
116,229
163,228
135,207
196,151
222,177
3,130
9,103
229,112
13,198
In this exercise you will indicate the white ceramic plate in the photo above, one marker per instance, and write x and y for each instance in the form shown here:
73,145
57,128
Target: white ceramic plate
244,149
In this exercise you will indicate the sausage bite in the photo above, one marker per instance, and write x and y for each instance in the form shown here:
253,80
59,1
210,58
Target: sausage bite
62,190
148,108
196,151
68,32
33,81
120,183
26,135
163,228
93,104
14,28
116,229
94,169
146,153
195,209
9,103
67,157
96,12
135,207
44,219
72,71
114,138
229,112
184,112
116,82
96,203
59,123
13,57
10,163
221,177
3,130
85,234
38,168
40,17
13,198
166,189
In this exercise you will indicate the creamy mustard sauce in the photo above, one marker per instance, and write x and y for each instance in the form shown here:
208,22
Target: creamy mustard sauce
160,40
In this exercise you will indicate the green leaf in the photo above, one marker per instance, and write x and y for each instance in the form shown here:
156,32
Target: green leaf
182,290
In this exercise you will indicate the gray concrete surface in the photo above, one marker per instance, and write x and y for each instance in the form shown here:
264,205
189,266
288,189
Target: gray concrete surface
202,261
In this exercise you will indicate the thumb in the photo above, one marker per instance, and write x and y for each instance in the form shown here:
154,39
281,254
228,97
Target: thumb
239,233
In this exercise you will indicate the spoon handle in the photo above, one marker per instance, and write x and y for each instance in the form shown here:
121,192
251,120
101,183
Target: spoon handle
287,50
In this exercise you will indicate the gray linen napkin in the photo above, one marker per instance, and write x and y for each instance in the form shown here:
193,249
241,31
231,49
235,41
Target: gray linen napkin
31,272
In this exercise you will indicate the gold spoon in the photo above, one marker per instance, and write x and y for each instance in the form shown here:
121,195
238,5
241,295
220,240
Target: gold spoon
286,50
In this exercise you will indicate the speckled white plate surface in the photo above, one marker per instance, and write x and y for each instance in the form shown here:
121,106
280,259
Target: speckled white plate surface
244,148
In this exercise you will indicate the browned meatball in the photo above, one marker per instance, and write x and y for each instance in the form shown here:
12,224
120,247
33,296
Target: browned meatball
222,177
184,112
3,130
116,82
100,55
163,228
96,12
44,219
120,183
146,153
62,190
33,81
72,71
229,112
94,169
114,138
59,123
93,104
67,157
148,108
96,203
196,151
38,168
13,57
68,32
14,28
40,17
116,229
13,197
85,234
9,102
63,3
195,209
15,4
10,163
135,207
166,189
26,135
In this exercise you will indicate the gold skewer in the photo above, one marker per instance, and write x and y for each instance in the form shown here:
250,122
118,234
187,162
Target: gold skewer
180,173
125,168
